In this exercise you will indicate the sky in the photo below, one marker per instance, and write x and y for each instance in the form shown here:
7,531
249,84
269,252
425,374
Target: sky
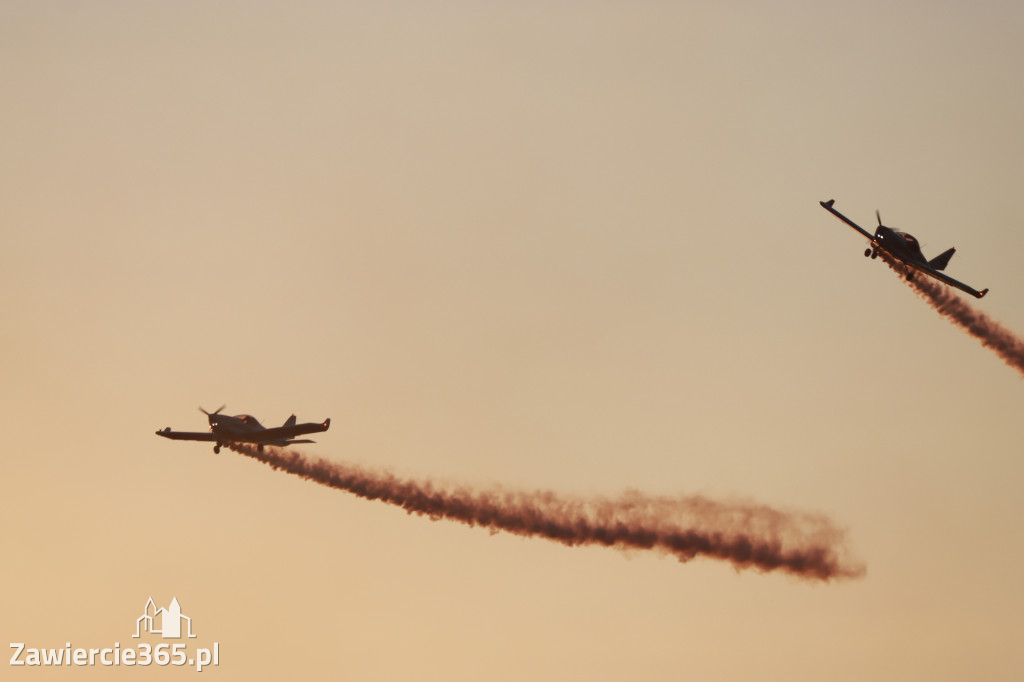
566,246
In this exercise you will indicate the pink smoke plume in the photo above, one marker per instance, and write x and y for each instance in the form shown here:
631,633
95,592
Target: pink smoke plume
747,535
947,303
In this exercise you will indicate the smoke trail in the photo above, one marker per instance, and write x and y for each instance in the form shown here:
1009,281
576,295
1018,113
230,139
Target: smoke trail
747,535
992,335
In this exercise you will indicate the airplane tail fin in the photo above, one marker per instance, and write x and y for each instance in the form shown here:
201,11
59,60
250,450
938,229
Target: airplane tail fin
942,260
291,421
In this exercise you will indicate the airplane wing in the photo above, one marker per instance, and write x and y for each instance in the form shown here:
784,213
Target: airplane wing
943,277
187,435
827,205
287,433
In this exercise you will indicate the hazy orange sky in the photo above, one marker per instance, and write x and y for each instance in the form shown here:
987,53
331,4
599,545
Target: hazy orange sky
564,245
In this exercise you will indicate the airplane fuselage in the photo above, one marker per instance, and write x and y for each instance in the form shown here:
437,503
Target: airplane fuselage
235,428
900,244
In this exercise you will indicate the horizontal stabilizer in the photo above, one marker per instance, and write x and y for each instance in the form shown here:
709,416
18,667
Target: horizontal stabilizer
942,260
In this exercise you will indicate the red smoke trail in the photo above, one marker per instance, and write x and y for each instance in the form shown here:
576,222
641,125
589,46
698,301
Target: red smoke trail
992,335
749,536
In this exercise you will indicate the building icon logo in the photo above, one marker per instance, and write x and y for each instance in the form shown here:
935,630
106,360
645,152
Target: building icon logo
169,620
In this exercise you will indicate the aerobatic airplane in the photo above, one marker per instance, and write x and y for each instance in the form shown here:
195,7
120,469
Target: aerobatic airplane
904,248
244,428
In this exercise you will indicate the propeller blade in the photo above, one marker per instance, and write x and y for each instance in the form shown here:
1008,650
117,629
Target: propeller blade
878,214
210,414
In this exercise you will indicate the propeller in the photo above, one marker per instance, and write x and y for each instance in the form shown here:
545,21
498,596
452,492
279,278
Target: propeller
878,215
210,414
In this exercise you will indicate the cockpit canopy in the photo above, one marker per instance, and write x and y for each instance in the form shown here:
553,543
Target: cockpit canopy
908,238
248,419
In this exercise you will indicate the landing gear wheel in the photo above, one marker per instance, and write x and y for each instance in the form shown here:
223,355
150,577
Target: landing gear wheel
867,252
874,255
216,449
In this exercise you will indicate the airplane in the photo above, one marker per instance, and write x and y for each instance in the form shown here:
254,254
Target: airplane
904,248
244,428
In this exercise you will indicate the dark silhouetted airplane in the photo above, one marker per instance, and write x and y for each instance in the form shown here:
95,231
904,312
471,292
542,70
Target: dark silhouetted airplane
904,248
244,428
